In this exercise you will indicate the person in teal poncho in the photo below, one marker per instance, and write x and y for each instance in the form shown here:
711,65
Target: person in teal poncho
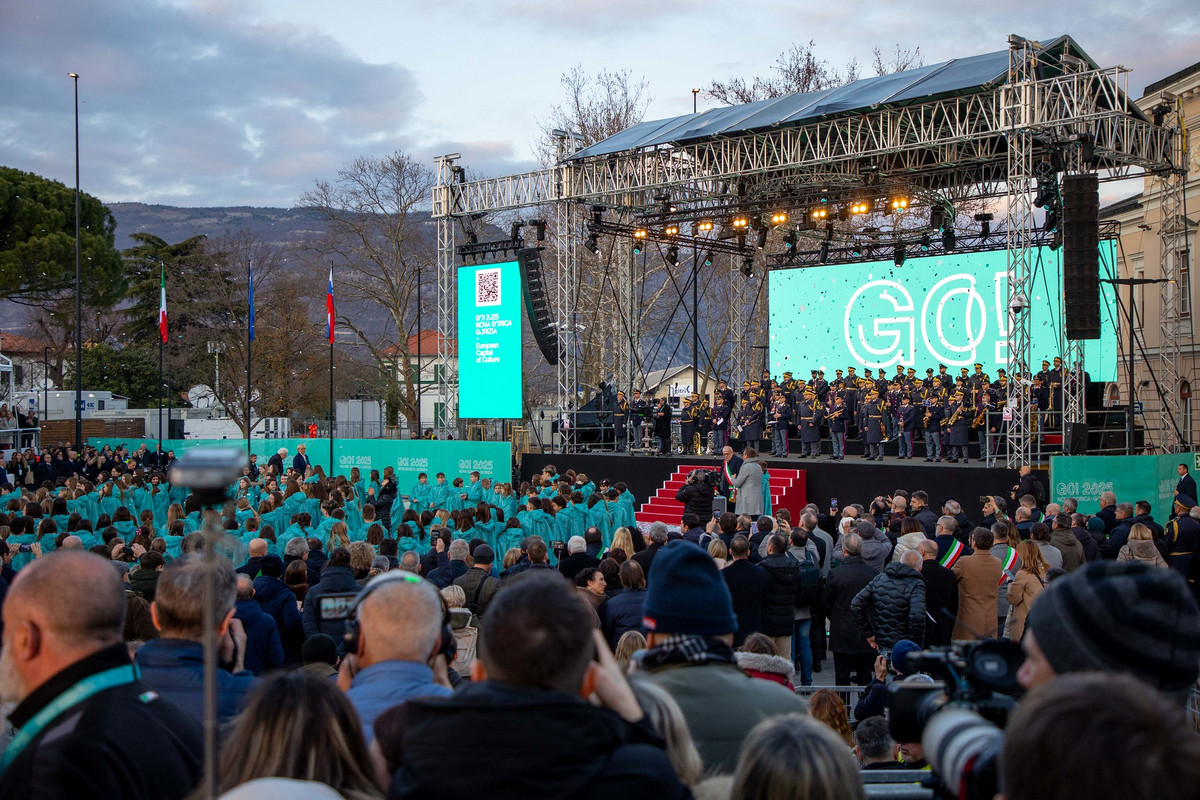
421,495
441,494
506,501
472,493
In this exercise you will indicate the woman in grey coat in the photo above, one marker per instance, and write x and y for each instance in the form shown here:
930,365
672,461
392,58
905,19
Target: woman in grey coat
748,483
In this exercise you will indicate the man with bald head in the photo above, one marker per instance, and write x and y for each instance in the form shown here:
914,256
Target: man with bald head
392,657
78,696
253,566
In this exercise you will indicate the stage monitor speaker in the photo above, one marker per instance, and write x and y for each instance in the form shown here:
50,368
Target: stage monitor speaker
1076,440
1081,255
537,303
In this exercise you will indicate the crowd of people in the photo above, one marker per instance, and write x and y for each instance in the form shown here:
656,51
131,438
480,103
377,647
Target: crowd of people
463,637
944,411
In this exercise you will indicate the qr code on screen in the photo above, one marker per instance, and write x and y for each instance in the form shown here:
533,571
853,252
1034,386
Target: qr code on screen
487,287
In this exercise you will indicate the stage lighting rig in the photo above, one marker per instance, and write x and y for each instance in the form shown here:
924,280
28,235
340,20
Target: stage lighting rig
671,229
762,238
778,218
925,242
597,215
860,207
949,240
708,258
539,226
741,222
789,241
704,226
937,218
514,233
823,253
818,214
673,255
593,243
898,203
899,254
748,266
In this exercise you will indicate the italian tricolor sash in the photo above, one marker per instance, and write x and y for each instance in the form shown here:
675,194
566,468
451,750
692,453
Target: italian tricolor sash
1010,560
952,554
729,479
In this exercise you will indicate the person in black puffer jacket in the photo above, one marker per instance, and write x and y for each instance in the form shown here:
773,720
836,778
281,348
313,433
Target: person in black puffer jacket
892,606
336,578
697,495
779,598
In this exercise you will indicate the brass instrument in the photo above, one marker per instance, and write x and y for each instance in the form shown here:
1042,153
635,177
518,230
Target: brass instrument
981,417
949,423
696,443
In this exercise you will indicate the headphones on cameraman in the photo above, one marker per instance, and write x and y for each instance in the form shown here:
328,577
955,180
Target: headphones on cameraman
353,629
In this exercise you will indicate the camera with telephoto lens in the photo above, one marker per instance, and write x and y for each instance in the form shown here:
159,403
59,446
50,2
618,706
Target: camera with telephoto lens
706,477
959,723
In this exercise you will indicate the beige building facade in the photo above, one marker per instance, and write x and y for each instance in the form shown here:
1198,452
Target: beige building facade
1141,255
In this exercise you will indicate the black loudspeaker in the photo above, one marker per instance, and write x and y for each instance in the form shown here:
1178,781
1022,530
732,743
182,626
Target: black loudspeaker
537,303
175,429
1081,255
1076,440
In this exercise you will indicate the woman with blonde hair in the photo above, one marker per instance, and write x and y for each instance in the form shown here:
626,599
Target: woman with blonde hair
622,540
511,557
300,726
1028,584
667,720
629,643
827,706
1140,547
719,553
795,756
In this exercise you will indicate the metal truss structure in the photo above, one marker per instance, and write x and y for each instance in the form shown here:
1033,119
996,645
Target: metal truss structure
987,143
1173,246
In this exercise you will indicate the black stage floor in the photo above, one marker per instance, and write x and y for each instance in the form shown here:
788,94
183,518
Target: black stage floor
854,480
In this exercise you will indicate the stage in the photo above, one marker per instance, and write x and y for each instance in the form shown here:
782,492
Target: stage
854,480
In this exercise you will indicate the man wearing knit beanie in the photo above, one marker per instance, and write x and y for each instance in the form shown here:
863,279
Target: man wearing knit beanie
1115,617
689,619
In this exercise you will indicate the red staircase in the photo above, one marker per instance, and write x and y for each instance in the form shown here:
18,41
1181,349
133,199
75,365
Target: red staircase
789,489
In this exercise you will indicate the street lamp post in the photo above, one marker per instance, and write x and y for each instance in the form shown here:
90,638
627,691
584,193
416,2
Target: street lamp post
78,289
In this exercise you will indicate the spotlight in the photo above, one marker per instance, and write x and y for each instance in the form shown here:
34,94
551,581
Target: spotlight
1051,223
637,247
748,266
673,255
778,217
1046,194
899,203
824,194
593,243
823,253
741,222
925,242
640,233
514,232
704,226
671,229
819,214
899,255
708,258
473,237
856,249
597,215
828,231
789,241
762,238
539,225
859,207
949,240
985,224
1056,240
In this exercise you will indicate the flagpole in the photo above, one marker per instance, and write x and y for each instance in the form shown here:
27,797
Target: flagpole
162,290
249,350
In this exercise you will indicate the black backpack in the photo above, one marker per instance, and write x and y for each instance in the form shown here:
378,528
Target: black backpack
809,592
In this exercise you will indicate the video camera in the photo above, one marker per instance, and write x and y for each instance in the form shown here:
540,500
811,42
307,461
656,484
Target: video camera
959,723
705,477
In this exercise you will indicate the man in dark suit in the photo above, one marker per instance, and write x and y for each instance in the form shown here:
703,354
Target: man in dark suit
730,464
276,461
1187,484
941,596
658,540
747,585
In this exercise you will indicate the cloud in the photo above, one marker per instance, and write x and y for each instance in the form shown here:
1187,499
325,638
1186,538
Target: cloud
190,105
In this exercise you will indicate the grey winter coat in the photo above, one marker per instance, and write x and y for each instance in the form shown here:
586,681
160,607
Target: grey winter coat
748,482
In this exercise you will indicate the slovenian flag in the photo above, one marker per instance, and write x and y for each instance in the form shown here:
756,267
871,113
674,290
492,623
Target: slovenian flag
162,303
250,282
329,307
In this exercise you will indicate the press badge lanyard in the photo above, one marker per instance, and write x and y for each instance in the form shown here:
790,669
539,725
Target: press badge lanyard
94,684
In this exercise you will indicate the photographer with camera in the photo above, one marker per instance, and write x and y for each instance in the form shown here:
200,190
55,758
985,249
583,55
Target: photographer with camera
697,493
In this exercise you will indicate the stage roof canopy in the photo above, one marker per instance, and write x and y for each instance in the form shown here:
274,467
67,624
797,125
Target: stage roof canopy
958,76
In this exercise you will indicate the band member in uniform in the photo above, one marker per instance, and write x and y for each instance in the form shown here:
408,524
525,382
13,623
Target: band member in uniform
982,421
662,426
687,426
720,421
725,392
945,378
750,420
837,426
850,394
809,416
997,426
891,405
906,421
873,430
639,411
620,422
703,413
1039,402
928,381
779,419
820,386
933,426
958,427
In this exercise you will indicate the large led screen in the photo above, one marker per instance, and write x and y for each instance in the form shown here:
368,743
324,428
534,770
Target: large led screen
489,341
946,309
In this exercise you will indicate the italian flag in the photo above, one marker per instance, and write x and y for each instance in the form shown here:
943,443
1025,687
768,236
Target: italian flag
162,304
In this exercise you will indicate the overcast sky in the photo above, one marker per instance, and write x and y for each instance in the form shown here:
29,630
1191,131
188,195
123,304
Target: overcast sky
247,102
